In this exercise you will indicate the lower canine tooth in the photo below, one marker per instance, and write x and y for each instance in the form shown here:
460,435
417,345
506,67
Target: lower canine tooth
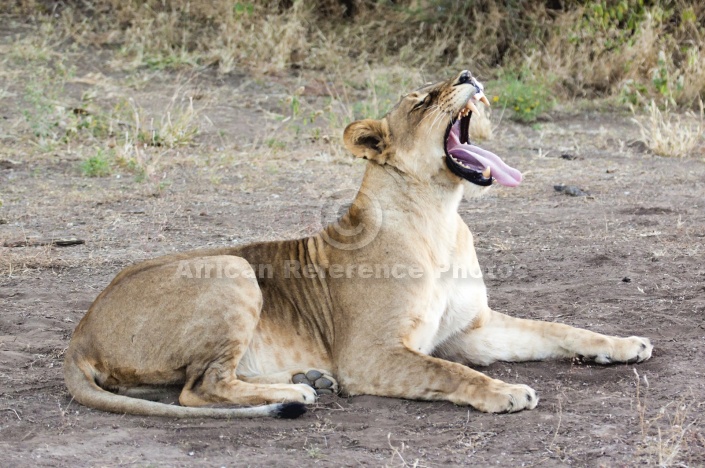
487,172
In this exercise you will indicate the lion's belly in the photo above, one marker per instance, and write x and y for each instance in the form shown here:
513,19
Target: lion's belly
275,349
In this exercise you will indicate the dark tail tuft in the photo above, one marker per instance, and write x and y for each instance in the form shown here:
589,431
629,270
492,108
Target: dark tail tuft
290,410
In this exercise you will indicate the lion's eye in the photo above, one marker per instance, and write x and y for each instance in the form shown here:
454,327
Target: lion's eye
420,104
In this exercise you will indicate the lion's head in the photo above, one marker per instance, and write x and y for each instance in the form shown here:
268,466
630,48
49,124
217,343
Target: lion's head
426,135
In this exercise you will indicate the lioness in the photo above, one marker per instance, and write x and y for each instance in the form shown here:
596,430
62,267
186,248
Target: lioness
387,301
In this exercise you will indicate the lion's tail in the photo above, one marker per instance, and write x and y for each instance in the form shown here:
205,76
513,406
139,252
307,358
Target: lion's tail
82,386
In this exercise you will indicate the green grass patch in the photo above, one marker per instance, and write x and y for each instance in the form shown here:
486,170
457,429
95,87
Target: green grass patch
97,165
526,96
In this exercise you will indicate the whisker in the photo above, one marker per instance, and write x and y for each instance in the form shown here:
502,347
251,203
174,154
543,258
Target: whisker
431,115
439,118
433,111
437,115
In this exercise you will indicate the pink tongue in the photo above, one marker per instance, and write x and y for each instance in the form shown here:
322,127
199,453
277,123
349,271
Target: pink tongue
478,159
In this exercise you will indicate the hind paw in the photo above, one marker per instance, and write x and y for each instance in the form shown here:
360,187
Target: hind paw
320,380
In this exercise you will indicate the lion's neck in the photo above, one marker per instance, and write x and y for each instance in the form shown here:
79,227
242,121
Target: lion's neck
398,208
437,198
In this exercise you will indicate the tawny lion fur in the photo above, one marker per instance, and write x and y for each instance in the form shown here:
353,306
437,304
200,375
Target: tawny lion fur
240,325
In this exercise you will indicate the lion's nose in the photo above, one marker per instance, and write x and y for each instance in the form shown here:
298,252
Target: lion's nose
465,77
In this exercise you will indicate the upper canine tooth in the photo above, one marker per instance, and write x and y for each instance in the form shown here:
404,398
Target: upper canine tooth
487,172
482,98
471,107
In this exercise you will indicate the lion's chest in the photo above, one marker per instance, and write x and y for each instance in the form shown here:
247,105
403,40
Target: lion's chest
457,296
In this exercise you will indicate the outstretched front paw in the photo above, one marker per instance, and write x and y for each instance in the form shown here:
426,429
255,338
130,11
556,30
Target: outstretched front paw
506,398
319,380
625,350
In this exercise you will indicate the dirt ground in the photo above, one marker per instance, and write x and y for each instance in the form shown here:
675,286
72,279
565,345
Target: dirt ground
626,259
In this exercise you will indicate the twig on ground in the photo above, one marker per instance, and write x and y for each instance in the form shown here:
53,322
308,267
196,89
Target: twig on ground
13,410
41,242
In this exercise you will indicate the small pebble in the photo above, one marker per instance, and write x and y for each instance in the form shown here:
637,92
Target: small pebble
571,190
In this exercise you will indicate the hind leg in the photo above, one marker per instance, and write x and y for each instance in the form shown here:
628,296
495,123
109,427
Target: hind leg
224,387
219,332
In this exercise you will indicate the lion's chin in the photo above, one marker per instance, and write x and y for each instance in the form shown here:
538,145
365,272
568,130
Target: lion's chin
473,191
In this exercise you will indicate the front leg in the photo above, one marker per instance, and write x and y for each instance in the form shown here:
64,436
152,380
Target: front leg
498,337
404,373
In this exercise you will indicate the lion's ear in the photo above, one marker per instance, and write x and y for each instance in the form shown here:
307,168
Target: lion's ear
368,139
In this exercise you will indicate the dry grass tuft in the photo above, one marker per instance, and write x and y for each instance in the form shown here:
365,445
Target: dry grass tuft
397,458
17,262
672,135
141,139
633,49
666,432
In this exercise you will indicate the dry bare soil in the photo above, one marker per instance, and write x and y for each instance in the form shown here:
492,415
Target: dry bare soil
627,259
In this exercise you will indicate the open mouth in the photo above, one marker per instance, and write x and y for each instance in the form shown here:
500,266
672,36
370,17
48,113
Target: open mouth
471,162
